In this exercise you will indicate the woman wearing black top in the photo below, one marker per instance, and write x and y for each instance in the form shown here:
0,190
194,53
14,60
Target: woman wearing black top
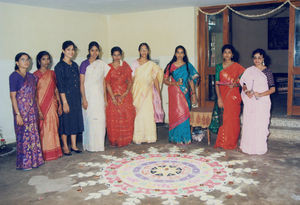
68,84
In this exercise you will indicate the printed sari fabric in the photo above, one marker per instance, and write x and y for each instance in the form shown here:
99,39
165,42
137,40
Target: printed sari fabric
142,90
256,113
29,152
49,125
229,132
180,103
120,117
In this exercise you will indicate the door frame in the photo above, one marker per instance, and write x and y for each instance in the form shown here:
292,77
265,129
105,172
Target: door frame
292,70
204,70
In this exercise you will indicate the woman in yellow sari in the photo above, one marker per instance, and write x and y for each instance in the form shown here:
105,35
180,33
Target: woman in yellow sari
146,74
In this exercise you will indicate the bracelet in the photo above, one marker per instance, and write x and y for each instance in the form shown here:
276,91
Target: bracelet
18,113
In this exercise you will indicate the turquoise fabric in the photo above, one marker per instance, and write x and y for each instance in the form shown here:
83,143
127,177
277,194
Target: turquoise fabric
182,133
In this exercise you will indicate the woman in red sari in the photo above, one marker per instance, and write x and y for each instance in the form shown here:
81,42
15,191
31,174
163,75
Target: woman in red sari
49,102
120,112
229,98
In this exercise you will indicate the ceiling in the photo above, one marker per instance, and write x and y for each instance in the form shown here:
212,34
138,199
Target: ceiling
121,6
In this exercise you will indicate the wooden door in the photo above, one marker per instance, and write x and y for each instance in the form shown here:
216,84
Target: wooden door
213,33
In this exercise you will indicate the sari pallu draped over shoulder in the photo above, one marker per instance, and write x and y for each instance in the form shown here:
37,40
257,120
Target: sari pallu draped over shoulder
229,131
94,115
142,90
49,125
256,113
120,117
179,103
29,152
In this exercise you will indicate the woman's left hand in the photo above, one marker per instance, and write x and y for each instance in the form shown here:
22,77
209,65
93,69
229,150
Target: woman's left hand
60,110
233,85
256,94
194,100
41,116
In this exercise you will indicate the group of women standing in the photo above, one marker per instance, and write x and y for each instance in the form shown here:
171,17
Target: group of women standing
257,85
126,101
94,98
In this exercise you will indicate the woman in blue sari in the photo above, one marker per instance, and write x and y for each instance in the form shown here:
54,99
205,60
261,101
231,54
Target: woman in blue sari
180,77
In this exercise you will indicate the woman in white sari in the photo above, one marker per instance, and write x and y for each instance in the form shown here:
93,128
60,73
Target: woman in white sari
146,74
258,86
92,87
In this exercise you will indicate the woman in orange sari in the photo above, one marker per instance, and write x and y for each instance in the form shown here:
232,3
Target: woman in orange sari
49,102
120,112
229,98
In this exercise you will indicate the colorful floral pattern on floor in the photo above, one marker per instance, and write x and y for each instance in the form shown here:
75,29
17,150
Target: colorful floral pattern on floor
169,176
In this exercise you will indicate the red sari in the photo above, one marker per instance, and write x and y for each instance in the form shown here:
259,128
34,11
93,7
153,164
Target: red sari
229,132
48,104
120,118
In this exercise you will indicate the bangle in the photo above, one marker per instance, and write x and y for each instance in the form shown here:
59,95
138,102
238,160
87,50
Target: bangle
65,102
18,113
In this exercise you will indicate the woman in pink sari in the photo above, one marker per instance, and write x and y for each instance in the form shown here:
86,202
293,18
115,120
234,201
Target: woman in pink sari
258,86
49,102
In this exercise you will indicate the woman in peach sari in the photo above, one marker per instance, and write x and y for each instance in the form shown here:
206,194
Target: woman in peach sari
146,75
229,98
49,102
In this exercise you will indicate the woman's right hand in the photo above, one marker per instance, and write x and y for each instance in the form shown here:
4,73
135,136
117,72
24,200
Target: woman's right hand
84,104
178,83
220,103
249,94
66,108
114,101
19,120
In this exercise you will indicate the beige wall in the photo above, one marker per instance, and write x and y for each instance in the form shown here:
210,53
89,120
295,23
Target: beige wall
162,29
32,29
247,35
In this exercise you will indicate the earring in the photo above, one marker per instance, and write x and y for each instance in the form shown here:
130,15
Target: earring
263,63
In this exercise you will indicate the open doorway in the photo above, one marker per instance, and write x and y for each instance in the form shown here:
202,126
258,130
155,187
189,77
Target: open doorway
271,34
218,26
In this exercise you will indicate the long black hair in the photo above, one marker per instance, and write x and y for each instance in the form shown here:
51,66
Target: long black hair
116,49
262,52
17,58
91,45
147,46
174,59
65,45
235,54
39,56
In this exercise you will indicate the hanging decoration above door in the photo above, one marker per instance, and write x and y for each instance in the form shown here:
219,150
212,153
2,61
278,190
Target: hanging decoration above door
250,15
